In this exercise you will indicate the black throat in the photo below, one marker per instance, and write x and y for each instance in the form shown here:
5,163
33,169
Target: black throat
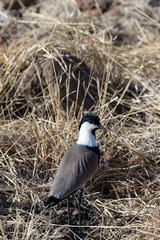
94,149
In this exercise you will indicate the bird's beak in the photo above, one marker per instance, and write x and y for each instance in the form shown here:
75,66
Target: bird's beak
101,127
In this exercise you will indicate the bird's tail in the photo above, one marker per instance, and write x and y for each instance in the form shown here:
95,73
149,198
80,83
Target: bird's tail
51,201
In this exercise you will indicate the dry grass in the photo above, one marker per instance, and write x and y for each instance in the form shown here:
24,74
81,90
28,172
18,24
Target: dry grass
122,201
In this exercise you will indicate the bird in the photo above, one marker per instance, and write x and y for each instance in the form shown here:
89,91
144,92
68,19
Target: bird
78,165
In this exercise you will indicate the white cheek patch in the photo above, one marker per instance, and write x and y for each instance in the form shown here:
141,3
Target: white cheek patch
85,135
88,126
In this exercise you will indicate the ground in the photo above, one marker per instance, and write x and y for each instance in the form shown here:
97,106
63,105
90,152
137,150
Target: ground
58,61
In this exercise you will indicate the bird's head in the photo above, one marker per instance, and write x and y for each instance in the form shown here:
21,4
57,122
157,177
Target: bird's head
91,122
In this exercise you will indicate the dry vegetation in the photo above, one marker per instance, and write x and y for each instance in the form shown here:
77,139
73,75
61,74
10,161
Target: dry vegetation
48,53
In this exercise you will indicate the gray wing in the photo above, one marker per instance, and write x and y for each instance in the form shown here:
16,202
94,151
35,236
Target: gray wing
77,166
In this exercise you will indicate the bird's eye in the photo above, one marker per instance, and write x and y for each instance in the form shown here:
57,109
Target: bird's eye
91,121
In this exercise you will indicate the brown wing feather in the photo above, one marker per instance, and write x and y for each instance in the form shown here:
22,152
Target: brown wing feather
76,167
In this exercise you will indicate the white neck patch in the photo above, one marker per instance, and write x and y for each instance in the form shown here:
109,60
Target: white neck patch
85,135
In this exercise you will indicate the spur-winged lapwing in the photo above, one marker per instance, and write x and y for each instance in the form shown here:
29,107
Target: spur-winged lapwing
78,164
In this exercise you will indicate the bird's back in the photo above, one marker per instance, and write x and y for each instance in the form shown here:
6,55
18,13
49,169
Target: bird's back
76,167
